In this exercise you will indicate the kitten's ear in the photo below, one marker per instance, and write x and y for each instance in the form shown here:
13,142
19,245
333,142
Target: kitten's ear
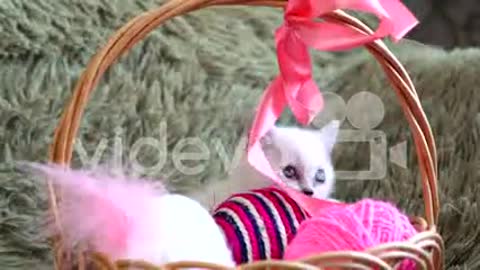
329,133
267,139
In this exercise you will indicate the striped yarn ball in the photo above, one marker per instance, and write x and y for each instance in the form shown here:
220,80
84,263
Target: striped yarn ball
259,224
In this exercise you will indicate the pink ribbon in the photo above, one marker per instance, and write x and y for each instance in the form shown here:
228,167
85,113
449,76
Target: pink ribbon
294,86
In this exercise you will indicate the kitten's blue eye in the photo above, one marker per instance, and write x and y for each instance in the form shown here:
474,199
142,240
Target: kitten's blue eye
290,172
320,176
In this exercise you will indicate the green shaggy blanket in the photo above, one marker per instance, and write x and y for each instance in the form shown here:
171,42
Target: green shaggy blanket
201,76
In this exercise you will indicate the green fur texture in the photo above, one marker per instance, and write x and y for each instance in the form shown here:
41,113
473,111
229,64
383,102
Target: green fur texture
202,75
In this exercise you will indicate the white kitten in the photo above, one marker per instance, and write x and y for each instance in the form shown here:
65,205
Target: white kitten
300,157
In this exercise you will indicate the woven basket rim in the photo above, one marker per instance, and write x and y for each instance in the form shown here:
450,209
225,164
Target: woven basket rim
137,28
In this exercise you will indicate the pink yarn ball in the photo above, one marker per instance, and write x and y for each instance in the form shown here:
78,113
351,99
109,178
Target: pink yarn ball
351,227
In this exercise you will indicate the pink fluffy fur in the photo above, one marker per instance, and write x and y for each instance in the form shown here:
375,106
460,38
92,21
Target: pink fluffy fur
99,209
132,218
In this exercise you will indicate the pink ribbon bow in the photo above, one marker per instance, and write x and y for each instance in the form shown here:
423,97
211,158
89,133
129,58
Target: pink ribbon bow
294,86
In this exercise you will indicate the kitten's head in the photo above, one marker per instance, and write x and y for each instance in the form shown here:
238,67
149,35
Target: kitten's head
302,157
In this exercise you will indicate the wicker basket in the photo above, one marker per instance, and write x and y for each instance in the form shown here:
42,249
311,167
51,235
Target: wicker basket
426,248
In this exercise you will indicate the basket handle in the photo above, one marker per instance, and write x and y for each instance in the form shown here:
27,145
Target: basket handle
136,29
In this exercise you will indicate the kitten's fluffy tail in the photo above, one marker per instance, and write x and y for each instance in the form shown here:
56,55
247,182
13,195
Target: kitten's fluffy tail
96,208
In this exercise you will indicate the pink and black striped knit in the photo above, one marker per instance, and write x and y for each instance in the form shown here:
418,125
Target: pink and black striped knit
259,224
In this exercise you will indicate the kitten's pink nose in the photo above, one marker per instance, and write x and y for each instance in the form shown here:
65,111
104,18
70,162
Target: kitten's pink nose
307,191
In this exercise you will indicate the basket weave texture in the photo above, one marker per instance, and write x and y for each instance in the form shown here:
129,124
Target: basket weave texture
426,248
